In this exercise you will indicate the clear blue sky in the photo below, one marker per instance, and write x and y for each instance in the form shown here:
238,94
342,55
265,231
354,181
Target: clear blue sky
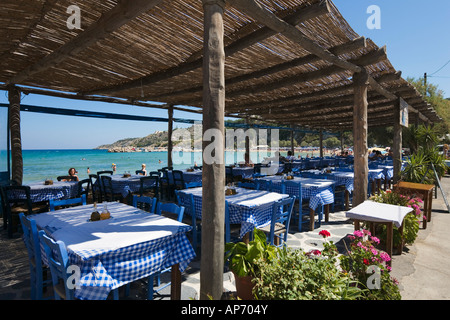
416,34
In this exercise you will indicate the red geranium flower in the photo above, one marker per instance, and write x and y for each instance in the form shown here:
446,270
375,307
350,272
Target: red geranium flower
324,233
366,262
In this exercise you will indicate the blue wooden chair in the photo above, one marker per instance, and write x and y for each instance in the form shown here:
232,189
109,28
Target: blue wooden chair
15,199
303,210
67,202
230,229
193,184
172,211
149,185
37,269
248,185
187,201
264,185
84,188
58,261
145,203
278,187
278,228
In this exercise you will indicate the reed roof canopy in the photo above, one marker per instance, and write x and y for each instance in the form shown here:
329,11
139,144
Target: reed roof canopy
296,69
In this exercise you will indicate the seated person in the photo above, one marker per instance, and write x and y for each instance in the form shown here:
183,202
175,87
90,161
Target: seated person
143,169
73,173
289,156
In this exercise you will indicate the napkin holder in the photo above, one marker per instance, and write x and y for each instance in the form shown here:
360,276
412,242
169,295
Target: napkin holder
48,182
230,192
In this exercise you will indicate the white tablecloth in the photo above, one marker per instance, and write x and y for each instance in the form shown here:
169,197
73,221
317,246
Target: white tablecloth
131,245
379,212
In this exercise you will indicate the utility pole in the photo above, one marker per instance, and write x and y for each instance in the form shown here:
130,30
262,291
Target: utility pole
425,83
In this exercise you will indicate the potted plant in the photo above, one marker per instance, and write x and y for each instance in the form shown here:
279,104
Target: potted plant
367,265
241,257
299,275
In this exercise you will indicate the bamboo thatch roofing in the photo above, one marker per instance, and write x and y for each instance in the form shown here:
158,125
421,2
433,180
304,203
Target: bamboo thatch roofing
134,51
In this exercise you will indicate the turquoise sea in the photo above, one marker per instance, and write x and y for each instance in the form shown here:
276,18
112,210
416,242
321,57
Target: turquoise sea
42,164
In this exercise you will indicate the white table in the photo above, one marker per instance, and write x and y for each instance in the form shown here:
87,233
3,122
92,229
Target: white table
132,245
380,213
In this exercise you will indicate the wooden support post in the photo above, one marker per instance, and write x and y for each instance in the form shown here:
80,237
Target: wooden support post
247,143
341,136
321,142
292,140
213,201
15,134
175,286
360,150
169,138
397,142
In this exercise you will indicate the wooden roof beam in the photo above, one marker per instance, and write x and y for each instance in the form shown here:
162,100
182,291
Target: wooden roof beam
240,44
350,46
264,16
123,12
302,97
345,100
370,58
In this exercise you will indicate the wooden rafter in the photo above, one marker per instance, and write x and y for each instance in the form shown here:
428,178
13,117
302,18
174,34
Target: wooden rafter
240,44
109,22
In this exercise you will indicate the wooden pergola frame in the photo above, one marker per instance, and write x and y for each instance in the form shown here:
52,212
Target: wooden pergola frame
325,87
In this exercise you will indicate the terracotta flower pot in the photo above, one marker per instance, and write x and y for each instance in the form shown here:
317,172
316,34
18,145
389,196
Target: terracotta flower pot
244,287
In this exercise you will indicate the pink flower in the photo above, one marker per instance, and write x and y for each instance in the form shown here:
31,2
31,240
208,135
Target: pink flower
358,234
375,239
374,251
366,232
385,257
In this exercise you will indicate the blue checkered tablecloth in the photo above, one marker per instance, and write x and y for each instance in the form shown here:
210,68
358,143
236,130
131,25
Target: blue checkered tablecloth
249,208
58,190
245,172
375,174
318,191
388,171
195,176
132,245
122,185
342,179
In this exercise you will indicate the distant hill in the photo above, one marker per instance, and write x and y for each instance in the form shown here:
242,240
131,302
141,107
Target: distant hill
158,139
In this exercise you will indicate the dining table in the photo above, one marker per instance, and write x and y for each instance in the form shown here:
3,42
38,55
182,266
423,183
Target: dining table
40,191
317,191
124,184
131,245
192,176
381,213
249,208
244,172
